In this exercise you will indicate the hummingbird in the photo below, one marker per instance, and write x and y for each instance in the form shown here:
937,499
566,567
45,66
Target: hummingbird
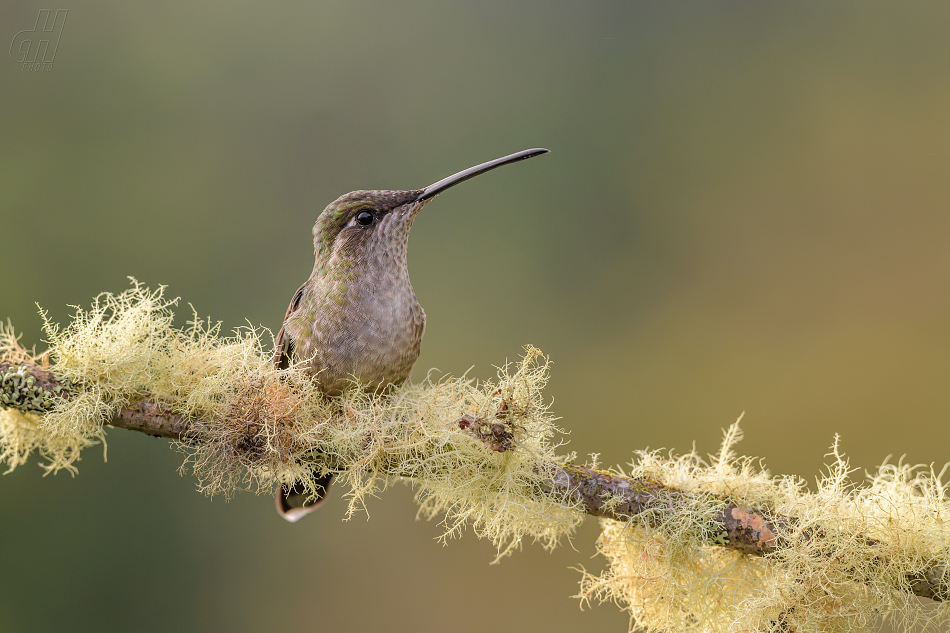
356,320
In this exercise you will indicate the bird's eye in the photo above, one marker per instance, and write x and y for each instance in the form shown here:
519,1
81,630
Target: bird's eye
365,218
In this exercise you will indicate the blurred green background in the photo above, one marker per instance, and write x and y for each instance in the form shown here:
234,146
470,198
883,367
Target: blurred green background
747,208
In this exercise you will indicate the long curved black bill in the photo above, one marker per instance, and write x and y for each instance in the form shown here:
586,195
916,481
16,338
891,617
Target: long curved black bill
438,187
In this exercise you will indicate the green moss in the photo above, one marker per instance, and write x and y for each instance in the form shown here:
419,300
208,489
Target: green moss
18,389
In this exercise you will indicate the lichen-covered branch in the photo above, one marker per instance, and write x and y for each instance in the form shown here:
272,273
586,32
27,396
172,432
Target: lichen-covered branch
29,387
705,543
747,530
152,419
612,496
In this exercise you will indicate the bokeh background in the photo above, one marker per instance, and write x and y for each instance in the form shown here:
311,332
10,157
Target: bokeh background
747,209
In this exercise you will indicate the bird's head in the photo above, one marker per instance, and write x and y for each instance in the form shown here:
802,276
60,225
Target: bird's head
362,223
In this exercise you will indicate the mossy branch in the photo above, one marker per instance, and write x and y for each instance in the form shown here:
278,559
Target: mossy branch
717,545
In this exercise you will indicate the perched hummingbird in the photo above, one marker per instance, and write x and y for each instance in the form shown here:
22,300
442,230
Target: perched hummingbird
357,318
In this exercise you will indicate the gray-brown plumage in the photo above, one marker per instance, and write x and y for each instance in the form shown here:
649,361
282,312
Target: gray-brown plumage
356,320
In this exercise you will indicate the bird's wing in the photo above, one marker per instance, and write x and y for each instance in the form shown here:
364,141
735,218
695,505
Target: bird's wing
292,501
283,344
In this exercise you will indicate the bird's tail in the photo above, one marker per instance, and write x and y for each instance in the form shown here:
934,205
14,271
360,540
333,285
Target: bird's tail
293,503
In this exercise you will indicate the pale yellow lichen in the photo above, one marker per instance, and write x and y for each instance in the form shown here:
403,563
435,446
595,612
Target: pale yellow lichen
256,427
415,433
853,550
10,348
19,437
476,453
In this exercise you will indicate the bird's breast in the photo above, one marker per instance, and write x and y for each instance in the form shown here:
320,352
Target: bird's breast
367,329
